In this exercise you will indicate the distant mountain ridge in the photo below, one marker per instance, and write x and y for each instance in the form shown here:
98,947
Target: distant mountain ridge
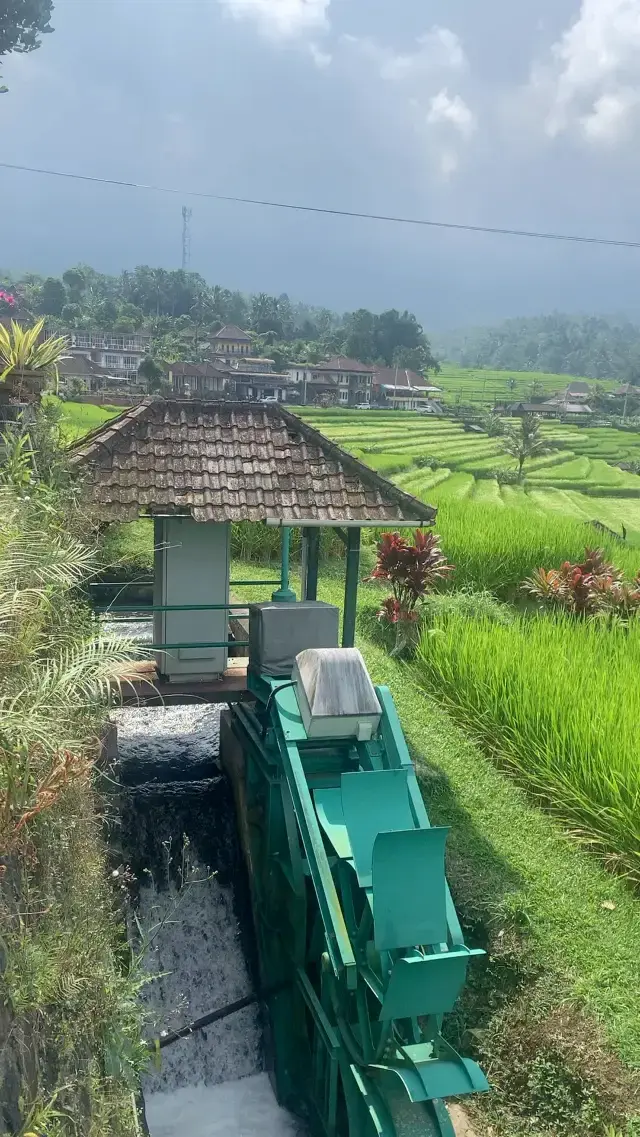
598,347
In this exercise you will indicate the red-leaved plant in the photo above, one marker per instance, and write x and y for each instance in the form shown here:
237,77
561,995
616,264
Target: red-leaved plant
588,589
411,570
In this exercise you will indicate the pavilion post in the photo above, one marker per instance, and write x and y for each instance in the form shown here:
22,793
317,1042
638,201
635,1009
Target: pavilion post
310,558
284,594
351,588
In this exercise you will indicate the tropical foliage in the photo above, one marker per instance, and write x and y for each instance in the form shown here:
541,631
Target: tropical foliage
591,588
181,311
63,991
23,350
525,441
594,346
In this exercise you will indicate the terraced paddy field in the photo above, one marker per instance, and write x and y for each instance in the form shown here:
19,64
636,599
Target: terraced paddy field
476,385
575,479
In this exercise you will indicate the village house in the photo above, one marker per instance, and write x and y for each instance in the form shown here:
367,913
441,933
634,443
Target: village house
230,342
401,388
196,379
253,377
114,354
349,379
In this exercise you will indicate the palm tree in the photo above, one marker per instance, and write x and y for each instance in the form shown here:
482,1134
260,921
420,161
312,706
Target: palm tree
57,675
525,442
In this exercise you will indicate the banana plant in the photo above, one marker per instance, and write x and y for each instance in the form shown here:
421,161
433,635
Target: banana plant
22,350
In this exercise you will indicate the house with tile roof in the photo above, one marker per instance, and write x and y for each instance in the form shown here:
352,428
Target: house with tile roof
401,388
230,342
349,379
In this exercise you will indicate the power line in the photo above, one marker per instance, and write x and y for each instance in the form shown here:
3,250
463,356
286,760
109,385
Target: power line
504,232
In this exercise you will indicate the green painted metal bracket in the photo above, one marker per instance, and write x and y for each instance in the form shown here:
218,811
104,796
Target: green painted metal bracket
338,943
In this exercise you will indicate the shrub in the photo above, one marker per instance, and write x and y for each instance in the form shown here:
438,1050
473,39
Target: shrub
411,571
427,462
591,588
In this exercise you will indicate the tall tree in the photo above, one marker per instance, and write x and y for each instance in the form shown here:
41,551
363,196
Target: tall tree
53,297
76,282
22,22
360,336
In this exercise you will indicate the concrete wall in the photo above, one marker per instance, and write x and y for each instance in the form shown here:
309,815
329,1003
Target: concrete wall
191,567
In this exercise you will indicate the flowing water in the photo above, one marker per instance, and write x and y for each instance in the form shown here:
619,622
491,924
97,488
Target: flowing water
191,915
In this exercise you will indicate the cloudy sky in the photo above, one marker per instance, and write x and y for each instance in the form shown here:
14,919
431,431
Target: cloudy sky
522,113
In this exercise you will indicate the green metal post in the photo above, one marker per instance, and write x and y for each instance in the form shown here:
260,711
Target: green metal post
351,588
284,594
311,539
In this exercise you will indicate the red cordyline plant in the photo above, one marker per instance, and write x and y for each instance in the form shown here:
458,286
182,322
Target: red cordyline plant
412,570
588,589
7,301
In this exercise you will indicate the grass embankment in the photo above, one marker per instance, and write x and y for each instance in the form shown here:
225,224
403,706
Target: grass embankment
552,1015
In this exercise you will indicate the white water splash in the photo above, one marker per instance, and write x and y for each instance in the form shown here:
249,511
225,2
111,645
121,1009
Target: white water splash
235,1109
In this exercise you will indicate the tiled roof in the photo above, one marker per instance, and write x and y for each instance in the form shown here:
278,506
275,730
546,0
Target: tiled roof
233,462
401,377
232,332
340,363
578,387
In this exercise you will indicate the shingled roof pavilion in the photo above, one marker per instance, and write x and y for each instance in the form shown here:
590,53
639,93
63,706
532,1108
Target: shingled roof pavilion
195,467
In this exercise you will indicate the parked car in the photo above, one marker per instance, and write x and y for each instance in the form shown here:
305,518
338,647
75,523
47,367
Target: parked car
362,407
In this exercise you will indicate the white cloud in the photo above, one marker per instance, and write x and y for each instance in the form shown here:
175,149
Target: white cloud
321,58
414,81
454,112
437,50
282,19
592,82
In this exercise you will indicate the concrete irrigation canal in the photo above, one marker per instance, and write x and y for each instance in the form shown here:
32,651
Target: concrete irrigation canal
178,836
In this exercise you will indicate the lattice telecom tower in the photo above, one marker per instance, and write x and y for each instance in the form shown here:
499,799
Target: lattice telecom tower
186,236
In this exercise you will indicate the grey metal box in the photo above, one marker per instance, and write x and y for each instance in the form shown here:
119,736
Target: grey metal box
278,632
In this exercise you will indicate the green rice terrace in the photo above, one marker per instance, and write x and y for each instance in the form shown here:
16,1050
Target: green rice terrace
575,478
482,385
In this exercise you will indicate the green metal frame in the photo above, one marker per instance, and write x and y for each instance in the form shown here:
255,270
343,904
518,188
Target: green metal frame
345,868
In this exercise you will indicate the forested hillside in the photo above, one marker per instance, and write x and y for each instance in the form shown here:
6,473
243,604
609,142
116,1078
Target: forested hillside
179,310
595,346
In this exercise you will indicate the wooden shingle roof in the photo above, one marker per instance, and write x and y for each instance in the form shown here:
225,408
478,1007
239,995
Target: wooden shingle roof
229,461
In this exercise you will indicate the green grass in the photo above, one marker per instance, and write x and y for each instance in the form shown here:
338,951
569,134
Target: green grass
557,700
80,418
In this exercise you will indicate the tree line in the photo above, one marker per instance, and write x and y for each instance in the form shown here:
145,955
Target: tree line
594,346
180,311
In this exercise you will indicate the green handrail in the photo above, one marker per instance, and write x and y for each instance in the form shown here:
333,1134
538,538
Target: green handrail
168,607
177,647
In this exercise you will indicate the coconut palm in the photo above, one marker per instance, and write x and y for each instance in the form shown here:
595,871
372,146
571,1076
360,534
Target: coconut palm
525,442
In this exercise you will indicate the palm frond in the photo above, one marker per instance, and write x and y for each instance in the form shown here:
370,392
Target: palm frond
21,351
29,559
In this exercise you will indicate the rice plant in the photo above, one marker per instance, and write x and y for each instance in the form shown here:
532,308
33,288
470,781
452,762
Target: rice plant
559,703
